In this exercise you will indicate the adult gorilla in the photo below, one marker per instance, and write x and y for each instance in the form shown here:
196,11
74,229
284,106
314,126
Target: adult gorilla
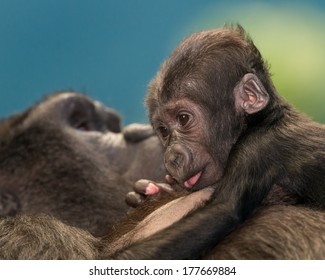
68,158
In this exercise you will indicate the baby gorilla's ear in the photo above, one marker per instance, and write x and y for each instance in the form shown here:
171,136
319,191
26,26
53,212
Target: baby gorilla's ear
250,94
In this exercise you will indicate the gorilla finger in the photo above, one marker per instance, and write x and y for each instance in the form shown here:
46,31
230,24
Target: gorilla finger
134,199
146,187
137,132
149,188
170,180
166,188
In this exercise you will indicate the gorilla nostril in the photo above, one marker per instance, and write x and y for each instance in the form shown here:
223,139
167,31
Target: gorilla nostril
178,159
177,156
175,159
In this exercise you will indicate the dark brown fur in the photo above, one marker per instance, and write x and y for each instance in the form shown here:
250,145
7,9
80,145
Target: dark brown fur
279,232
43,237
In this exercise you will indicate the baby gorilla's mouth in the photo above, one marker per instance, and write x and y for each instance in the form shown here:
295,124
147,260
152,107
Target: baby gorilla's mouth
193,180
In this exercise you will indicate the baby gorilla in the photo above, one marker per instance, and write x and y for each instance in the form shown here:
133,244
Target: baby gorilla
222,123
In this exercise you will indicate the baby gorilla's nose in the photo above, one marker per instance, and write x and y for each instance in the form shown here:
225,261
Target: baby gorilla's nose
177,159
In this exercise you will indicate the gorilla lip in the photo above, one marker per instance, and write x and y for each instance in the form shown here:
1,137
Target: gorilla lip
193,180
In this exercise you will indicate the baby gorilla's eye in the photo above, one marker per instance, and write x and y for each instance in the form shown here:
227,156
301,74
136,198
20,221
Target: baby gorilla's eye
183,119
163,131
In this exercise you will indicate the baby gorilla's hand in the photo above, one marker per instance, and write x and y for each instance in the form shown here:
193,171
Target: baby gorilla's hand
146,189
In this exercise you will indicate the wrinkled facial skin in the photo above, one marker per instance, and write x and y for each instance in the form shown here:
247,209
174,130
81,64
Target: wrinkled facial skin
181,127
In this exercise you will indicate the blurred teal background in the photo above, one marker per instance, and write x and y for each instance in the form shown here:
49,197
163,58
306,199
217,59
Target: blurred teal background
110,50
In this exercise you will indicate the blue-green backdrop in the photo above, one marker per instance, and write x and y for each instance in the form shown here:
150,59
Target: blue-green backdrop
111,49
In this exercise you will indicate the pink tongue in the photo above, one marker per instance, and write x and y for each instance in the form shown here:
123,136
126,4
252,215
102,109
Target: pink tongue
192,181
